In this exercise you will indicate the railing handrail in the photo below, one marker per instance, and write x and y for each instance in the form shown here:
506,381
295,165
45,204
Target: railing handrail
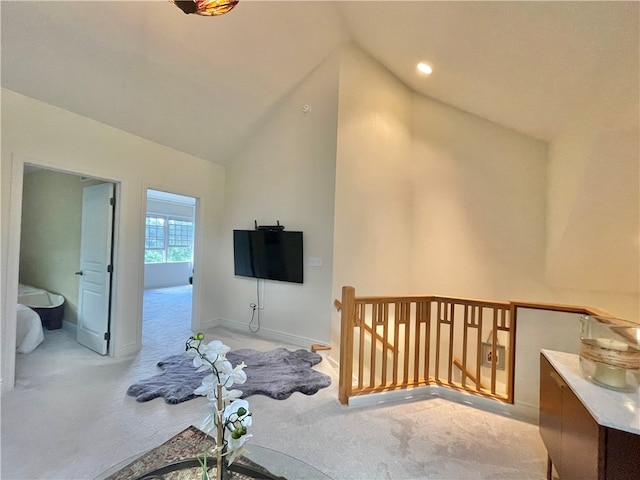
554,307
557,307
422,298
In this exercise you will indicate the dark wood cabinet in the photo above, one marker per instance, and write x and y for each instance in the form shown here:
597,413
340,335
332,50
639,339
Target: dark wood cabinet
578,447
550,422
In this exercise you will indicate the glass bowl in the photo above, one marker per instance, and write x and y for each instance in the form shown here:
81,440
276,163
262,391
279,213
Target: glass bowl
610,352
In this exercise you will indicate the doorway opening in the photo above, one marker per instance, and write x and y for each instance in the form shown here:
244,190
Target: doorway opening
170,224
50,262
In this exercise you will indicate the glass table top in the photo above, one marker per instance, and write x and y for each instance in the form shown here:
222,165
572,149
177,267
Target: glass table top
185,446
283,465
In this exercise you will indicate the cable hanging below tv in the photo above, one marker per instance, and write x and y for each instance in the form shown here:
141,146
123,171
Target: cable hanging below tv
269,252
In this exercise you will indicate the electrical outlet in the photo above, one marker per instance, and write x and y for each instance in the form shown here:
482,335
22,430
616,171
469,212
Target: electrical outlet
486,355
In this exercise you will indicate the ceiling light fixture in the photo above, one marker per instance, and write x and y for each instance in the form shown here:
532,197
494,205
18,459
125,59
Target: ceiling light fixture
424,68
206,7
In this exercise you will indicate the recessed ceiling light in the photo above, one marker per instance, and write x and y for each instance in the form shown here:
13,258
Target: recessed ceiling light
424,68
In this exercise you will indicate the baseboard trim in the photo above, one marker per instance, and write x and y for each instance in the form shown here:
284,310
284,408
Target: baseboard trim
524,412
266,333
72,328
334,363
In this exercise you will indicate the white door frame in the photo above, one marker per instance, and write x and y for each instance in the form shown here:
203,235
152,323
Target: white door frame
13,264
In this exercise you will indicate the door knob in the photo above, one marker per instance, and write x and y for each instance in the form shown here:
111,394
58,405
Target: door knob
79,273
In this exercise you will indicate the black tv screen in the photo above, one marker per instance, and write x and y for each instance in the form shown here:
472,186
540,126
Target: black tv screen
269,254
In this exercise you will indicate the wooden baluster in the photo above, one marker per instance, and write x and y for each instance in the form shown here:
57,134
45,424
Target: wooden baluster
405,310
347,320
479,349
451,332
383,319
494,350
361,316
372,353
465,335
437,345
417,345
427,341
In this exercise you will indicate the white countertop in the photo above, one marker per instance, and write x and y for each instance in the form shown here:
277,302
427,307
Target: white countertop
609,408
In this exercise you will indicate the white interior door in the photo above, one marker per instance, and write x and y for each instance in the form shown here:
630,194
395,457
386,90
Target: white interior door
95,267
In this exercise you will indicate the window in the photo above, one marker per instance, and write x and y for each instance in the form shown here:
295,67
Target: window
180,240
167,239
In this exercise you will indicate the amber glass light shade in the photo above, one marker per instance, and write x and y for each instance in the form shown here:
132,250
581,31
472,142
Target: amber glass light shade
206,7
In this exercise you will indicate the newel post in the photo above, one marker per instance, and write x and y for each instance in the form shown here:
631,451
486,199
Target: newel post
347,322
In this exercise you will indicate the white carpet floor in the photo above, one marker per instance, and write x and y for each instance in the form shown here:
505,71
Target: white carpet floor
69,418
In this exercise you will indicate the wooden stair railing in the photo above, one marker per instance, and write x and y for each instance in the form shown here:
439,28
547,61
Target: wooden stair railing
397,342
391,343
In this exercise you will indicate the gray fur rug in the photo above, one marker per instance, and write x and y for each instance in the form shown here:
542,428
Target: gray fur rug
276,374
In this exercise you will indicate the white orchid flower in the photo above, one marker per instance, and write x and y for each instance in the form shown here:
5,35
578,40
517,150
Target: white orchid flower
238,411
238,375
225,372
236,448
208,385
214,349
209,422
191,352
235,416
232,395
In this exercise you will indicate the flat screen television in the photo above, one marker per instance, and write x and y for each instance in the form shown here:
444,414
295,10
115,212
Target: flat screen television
270,254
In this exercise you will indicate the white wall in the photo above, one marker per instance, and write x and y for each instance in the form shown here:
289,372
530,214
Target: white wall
373,187
593,248
432,200
286,173
478,206
593,244
169,274
58,139
491,213
480,211
165,207
537,330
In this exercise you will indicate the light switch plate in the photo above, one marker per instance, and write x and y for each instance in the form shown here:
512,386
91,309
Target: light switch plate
315,261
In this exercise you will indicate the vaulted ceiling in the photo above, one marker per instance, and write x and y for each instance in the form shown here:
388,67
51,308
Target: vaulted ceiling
200,84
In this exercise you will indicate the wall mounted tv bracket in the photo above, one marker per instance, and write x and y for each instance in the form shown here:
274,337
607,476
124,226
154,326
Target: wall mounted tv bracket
272,228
